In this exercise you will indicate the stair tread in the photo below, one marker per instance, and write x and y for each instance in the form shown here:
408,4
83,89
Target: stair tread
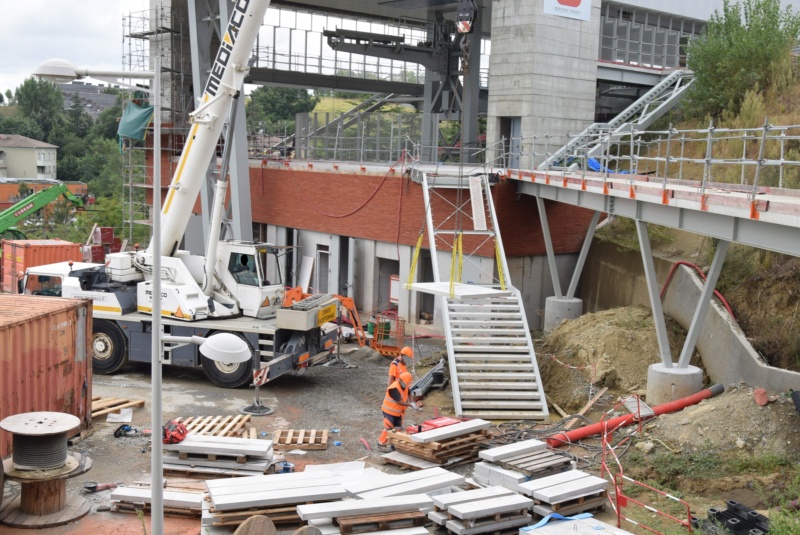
505,415
487,331
514,376
495,366
468,357
494,404
494,349
500,394
497,385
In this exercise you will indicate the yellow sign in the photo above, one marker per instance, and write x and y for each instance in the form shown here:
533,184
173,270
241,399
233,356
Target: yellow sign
326,314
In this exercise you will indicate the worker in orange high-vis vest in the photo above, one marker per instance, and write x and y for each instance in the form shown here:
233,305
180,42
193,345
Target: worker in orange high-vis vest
398,365
395,404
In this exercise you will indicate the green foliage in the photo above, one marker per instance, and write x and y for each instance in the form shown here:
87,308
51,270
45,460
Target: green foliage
42,102
9,97
22,126
269,105
746,47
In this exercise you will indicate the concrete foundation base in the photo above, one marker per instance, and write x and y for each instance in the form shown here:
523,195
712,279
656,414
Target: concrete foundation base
557,309
668,384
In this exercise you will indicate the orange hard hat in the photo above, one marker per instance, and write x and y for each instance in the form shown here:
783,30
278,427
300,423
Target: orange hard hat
408,352
407,378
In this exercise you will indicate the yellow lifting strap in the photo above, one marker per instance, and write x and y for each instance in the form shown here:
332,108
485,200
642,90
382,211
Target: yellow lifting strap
499,259
456,262
414,261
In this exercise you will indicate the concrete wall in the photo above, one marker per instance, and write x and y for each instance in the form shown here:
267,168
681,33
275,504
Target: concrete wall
727,355
613,277
543,69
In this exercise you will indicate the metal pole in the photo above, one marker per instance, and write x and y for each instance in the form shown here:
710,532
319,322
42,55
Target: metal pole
157,353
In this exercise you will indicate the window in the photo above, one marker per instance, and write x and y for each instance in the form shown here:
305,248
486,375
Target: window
43,285
243,269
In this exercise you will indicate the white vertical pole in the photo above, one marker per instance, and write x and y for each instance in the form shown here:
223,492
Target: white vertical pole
157,353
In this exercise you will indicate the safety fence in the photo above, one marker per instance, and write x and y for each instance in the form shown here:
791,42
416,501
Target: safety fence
766,156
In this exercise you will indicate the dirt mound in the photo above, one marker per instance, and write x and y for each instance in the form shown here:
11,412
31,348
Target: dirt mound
732,422
612,348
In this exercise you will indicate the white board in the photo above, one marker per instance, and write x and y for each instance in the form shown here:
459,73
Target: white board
460,289
306,267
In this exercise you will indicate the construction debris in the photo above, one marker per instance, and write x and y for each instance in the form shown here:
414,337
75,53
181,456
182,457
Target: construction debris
301,439
567,493
514,463
449,445
220,426
486,510
372,486
102,406
219,452
275,496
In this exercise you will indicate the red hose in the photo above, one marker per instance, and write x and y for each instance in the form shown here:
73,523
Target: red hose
702,276
571,437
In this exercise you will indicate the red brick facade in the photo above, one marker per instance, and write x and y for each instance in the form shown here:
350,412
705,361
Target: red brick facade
369,207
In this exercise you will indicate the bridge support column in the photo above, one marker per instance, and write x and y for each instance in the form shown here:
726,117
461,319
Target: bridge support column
557,309
665,384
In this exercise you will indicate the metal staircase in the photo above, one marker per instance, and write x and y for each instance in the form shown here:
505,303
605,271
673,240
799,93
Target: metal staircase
493,369
372,103
637,117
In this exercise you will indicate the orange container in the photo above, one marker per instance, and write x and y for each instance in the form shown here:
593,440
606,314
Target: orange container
46,359
19,255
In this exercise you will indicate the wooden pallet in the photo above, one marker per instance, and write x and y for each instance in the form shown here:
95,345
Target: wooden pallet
130,507
102,406
279,516
218,426
571,504
537,464
413,462
203,473
241,459
465,447
301,439
352,525
492,518
587,506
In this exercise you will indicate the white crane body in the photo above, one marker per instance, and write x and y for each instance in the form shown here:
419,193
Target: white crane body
224,291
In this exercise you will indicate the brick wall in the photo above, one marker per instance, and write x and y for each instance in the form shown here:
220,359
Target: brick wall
370,207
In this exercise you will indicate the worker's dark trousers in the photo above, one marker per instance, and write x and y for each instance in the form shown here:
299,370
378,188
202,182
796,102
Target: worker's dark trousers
390,422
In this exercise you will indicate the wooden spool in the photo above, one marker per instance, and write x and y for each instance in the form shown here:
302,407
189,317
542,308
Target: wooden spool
43,500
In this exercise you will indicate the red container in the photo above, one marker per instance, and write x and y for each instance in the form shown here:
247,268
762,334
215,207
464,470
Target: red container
103,235
98,254
46,359
19,255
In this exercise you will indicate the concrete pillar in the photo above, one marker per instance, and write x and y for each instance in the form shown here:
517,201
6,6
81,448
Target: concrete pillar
557,309
552,61
669,384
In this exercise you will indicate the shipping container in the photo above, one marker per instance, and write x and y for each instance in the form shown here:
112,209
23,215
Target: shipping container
45,361
19,255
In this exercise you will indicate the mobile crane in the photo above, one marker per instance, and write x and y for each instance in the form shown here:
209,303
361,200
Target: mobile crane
224,291
29,205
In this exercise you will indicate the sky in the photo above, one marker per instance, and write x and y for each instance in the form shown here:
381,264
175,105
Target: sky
86,32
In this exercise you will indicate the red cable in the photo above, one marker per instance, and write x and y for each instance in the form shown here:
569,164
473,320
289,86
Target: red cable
702,276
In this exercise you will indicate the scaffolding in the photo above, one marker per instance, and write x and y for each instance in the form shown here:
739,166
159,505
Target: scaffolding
161,31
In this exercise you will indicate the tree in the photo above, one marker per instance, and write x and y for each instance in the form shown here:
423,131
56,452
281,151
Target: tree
272,104
42,102
17,124
747,46
1,98
9,97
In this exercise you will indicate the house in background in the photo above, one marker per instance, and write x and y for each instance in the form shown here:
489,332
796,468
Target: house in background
23,157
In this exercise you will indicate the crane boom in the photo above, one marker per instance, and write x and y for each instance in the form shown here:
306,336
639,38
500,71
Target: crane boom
224,82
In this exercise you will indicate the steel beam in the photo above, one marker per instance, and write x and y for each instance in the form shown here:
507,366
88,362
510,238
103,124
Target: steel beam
702,306
655,294
587,243
548,244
